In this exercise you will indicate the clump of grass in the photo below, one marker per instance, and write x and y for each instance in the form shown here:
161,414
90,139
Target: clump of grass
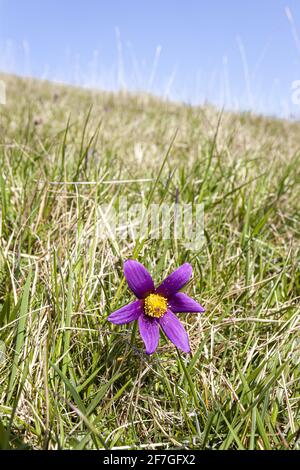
71,380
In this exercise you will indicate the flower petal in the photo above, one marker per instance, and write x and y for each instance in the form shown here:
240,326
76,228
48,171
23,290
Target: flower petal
175,331
127,313
181,302
138,278
175,281
149,331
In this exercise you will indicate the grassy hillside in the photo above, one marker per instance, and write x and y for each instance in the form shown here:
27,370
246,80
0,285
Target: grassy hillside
70,379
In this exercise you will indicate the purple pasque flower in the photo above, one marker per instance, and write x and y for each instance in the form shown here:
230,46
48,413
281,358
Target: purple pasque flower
156,308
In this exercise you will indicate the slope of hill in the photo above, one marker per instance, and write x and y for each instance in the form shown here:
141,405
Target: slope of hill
69,379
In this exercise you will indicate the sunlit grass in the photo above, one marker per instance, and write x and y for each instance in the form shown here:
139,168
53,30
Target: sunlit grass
68,378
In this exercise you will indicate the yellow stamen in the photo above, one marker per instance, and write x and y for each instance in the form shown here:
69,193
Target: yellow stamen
155,305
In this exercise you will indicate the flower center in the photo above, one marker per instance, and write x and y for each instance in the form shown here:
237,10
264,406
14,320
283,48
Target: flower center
155,305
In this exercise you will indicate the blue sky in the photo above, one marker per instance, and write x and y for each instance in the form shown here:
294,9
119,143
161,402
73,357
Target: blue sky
238,54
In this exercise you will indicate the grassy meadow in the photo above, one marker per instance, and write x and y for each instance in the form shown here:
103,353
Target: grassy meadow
71,380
